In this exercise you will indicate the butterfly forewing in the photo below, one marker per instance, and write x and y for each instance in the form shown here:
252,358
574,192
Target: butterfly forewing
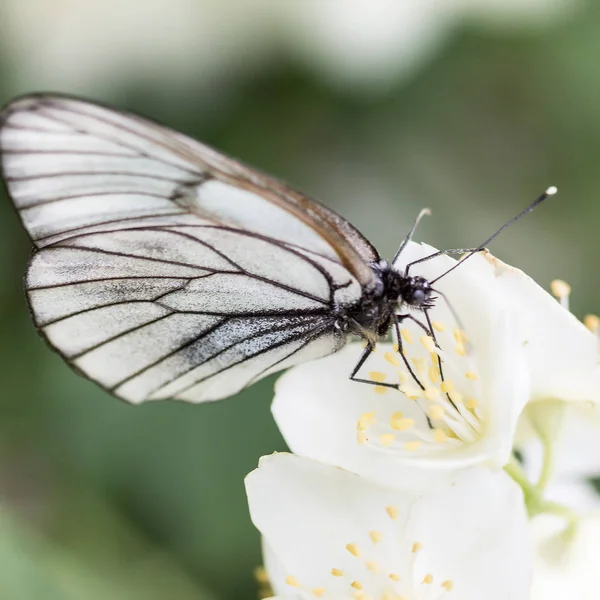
163,268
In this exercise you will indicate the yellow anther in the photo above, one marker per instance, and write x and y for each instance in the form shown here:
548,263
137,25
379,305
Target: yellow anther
439,435
380,389
428,578
436,411
396,348
434,374
392,358
377,376
318,592
353,549
372,566
447,386
412,446
448,585
420,364
291,580
460,336
402,424
362,438
397,415
428,342
388,596
431,394
403,377
393,512
412,393
261,575
561,289
407,335
416,547
592,322
376,536
387,439
460,350
472,403
439,326
337,572
456,397
357,585
472,375
366,420
362,596
395,577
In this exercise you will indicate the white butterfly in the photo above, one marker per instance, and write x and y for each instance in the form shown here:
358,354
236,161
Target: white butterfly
163,269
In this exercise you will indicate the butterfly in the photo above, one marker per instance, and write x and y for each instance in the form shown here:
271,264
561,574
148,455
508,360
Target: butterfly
164,269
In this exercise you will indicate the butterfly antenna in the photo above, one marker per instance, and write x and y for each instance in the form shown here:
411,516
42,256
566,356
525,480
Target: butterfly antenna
424,213
549,192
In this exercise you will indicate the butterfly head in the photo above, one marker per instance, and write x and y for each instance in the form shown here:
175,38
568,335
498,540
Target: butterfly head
416,292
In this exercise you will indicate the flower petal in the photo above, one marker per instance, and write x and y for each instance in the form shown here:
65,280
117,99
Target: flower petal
470,535
562,354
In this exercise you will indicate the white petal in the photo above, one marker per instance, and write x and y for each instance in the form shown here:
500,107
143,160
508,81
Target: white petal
561,352
566,567
473,531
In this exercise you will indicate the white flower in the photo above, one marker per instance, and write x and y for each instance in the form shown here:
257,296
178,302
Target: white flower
523,346
562,354
574,447
332,534
567,563
466,417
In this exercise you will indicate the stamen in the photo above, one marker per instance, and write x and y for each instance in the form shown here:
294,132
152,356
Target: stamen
472,375
428,342
387,439
393,512
428,579
436,411
357,585
431,394
434,374
353,549
561,289
392,358
460,350
377,376
412,446
376,536
318,592
402,424
395,577
261,575
417,546
439,435
439,326
407,335
592,322
447,386
448,585
461,336
337,572
362,438
291,580
472,403
366,420
372,566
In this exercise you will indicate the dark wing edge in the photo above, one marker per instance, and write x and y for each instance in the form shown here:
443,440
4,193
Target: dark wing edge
194,161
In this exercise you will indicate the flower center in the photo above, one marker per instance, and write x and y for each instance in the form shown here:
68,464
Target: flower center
372,577
437,401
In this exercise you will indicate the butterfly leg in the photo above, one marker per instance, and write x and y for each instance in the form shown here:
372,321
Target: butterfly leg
361,361
440,253
439,358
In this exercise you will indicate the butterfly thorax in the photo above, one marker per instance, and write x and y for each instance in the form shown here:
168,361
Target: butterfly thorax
373,316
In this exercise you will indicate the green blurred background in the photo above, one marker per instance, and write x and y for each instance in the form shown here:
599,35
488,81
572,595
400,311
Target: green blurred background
470,107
